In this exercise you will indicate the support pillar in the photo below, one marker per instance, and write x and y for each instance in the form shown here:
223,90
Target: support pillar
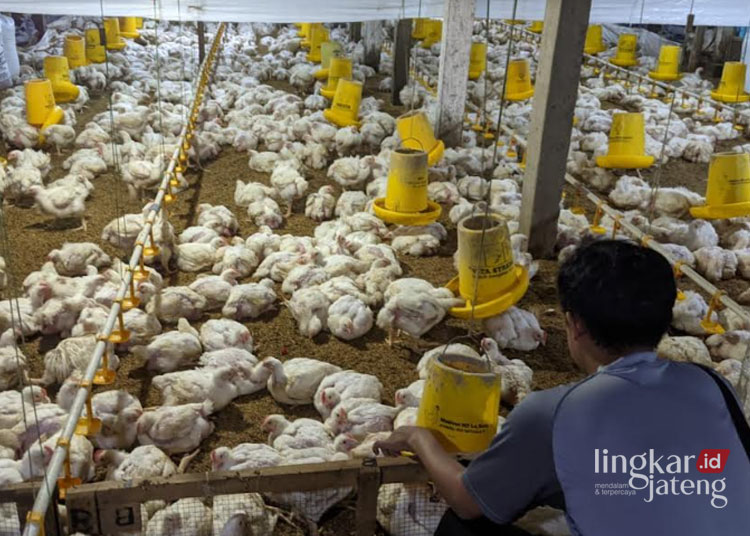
355,31
373,35
401,47
556,90
458,20
201,41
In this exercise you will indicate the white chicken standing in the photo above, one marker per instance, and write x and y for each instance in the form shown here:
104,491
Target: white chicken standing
288,183
319,206
295,381
61,202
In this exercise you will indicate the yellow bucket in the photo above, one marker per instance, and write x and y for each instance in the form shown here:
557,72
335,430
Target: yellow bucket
328,50
732,85
56,70
536,26
40,101
128,27
728,190
668,67
477,60
74,49
461,401
419,30
112,32
339,69
518,85
345,107
95,52
318,35
627,143
415,132
434,33
625,55
594,43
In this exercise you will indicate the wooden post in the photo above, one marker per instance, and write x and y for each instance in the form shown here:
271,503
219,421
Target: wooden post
458,20
368,485
689,29
201,41
696,47
373,43
355,31
557,79
401,47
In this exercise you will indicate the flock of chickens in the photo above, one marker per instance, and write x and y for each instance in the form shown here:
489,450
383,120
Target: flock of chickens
344,279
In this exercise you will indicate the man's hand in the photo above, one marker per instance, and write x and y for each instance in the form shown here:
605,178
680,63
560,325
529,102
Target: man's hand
402,439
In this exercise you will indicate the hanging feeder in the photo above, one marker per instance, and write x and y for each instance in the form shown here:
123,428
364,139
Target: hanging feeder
405,201
487,278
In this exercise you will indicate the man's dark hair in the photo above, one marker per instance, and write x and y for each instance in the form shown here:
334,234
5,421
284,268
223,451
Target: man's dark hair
622,292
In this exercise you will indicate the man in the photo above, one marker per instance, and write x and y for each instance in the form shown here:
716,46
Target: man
641,446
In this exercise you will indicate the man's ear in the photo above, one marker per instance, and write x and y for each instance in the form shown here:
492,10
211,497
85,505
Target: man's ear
576,329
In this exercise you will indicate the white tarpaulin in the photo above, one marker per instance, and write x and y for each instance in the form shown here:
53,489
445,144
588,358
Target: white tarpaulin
707,12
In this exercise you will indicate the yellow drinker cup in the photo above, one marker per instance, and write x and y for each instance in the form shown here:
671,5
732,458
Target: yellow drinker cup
112,33
594,43
56,70
419,30
536,26
518,85
129,27
344,109
627,143
95,52
732,85
339,69
625,56
328,50
728,190
40,101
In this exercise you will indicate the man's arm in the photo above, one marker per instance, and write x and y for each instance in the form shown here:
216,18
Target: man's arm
445,472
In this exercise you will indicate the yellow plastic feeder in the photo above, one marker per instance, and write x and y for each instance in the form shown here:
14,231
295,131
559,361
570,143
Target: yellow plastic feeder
345,107
487,279
328,50
129,28
536,26
318,35
112,33
304,33
415,131
732,85
668,67
434,33
419,30
728,190
56,70
41,110
477,60
74,48
339,69
518,85
95,52
461,402
594,43
139,22
625,55
405,201
514,21
627,143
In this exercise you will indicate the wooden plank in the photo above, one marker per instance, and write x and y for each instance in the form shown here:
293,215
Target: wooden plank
557,79
117,517
368,485
83,514
401,48
458,20
373,35
401,470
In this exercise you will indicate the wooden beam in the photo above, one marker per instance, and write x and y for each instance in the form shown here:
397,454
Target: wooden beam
557,79
355,31
201,41
373,35
696,47
401,48
458,20
368,485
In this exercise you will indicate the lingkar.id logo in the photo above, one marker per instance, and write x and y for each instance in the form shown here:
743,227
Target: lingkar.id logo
645,472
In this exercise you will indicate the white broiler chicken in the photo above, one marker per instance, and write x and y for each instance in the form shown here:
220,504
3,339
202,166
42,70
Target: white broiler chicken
188,386
454,349
309,307
215,288
219,218
176,429
288,183
516,329
248,375
238,258
716,263
144,461
71,354
295,381
221,333
198,256
74,258
687,314
61,202
244,456
410,396
297,435
171,350
729,345
173,303
118,411
515,375
349,318
344,385
364,419
413,312
185,516
319,206
250,300
12,404
684,349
